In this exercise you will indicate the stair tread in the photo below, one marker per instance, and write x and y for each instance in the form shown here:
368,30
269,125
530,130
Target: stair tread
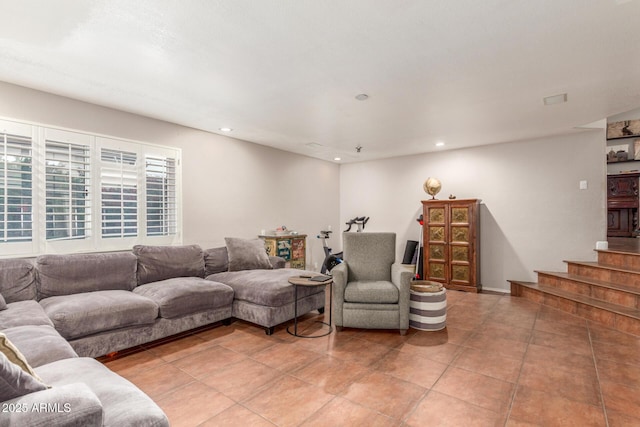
615,308
618,252
596,264
596,282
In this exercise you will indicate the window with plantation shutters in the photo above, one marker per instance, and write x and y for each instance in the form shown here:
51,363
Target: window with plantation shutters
161,206
119,193
67,195
16,188
65,191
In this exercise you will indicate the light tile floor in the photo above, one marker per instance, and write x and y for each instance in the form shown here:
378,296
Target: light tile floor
501,361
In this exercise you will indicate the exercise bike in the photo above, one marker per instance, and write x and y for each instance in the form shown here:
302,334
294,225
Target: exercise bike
360,221
331,260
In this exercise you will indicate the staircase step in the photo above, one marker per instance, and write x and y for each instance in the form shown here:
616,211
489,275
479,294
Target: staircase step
605,273
616,316
629,260
615,293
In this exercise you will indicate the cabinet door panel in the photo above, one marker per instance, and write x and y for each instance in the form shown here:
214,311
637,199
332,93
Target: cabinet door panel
437,252
460,253
460,274
436,215
460,215
436,234
436,271
460,234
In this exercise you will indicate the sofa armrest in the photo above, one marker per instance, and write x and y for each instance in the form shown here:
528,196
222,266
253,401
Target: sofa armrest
340,274
71,405
401,277
277,262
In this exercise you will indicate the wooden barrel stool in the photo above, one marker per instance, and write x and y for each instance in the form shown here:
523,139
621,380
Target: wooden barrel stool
427,306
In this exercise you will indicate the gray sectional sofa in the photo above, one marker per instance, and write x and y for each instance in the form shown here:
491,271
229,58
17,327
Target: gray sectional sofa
61,311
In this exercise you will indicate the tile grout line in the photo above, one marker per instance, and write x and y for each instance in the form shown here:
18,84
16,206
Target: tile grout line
595,364
517,382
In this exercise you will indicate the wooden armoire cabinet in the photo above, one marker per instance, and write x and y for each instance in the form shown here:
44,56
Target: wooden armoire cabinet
451,242
622,205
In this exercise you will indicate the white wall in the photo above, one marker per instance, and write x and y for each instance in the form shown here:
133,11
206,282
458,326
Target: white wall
533,214
231,188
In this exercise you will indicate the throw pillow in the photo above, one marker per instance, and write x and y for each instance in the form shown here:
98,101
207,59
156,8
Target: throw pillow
15,356
3,303
247,254
15,382
156,263
216,260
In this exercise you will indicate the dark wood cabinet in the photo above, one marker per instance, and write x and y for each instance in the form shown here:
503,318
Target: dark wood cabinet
451,253
622,205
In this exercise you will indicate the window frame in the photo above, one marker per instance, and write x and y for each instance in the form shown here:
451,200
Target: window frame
93,240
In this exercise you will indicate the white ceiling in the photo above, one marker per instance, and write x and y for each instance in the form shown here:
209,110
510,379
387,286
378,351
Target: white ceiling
285,73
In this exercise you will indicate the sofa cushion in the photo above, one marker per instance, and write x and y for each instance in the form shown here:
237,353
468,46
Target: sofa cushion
88,313
186,295
77,273
17,280
371,292
277,262
23,313
266,287
247,254
216,260
15,382
40,344
123,404
157,263
3,303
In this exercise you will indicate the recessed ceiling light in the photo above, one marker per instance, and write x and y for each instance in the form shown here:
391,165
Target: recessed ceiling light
439,144
555,99
225,129
362,97
337,159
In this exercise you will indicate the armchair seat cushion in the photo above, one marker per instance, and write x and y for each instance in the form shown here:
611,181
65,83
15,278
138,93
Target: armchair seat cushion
371,292
78,315
186,295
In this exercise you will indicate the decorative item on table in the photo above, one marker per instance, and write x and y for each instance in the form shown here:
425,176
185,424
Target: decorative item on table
452,197
432,186
281,231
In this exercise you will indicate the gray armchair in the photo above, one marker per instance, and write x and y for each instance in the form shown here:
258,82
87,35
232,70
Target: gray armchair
371,291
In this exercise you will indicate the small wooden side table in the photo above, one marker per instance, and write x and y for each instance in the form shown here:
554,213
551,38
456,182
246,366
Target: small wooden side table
306,281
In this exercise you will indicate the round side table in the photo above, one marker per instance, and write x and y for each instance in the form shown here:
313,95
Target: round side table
306,281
